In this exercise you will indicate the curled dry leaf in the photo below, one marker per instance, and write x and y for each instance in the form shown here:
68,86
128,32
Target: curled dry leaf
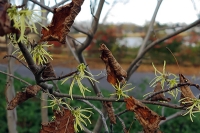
110,111
63,18
48,71
5,23
114,70
159,97
63,123
186,92
20,97
147,118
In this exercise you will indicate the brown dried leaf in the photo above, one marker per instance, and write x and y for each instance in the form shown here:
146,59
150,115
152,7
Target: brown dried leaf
63,123
185,91
110,111
48,71
159,97
20,97
147,118
114,70
5,23
63,19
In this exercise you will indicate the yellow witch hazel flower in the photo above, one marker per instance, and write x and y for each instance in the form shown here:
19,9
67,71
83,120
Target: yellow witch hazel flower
119,90
165,77
161,77
79,117
40,55
194,108
23,19
55,103
77,77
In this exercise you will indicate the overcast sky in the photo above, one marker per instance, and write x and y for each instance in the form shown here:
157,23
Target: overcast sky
140,11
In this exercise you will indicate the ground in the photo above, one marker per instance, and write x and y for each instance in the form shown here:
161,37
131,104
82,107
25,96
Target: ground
97,63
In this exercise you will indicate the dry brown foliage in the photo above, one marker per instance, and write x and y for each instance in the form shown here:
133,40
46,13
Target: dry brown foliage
63,18
186,92
159,97
5,23
110,111
114,70
48,71
147,118
63,123
20,97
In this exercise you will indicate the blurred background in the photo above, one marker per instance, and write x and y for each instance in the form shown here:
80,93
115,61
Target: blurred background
122,27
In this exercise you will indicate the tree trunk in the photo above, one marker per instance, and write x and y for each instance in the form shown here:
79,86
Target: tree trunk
44,111
10,93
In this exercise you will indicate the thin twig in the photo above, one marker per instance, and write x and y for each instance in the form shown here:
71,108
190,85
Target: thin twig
95,98
169,89
173,27
134,65
177,114
122,112
58,4
15,77
150,29
102,116
59,78
80,30
86,130
123,124
42,5
6,56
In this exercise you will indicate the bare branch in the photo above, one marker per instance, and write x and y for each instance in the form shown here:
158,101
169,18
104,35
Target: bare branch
34,68
122,112
58,4
12,56
143,45
134,65
169,89
95,98
58,78
42,5
123,124
177,114
102,116
21,80
93,28
80,29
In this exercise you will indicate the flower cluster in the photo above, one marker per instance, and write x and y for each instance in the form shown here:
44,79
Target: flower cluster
23,19
169,78
120,92
77,77
193,108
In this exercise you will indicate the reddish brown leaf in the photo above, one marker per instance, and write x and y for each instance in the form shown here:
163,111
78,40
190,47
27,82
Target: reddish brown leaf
159,97
185,91
48,71
63,123
110,111
114,70
147,118
63,19
20,97
5,23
